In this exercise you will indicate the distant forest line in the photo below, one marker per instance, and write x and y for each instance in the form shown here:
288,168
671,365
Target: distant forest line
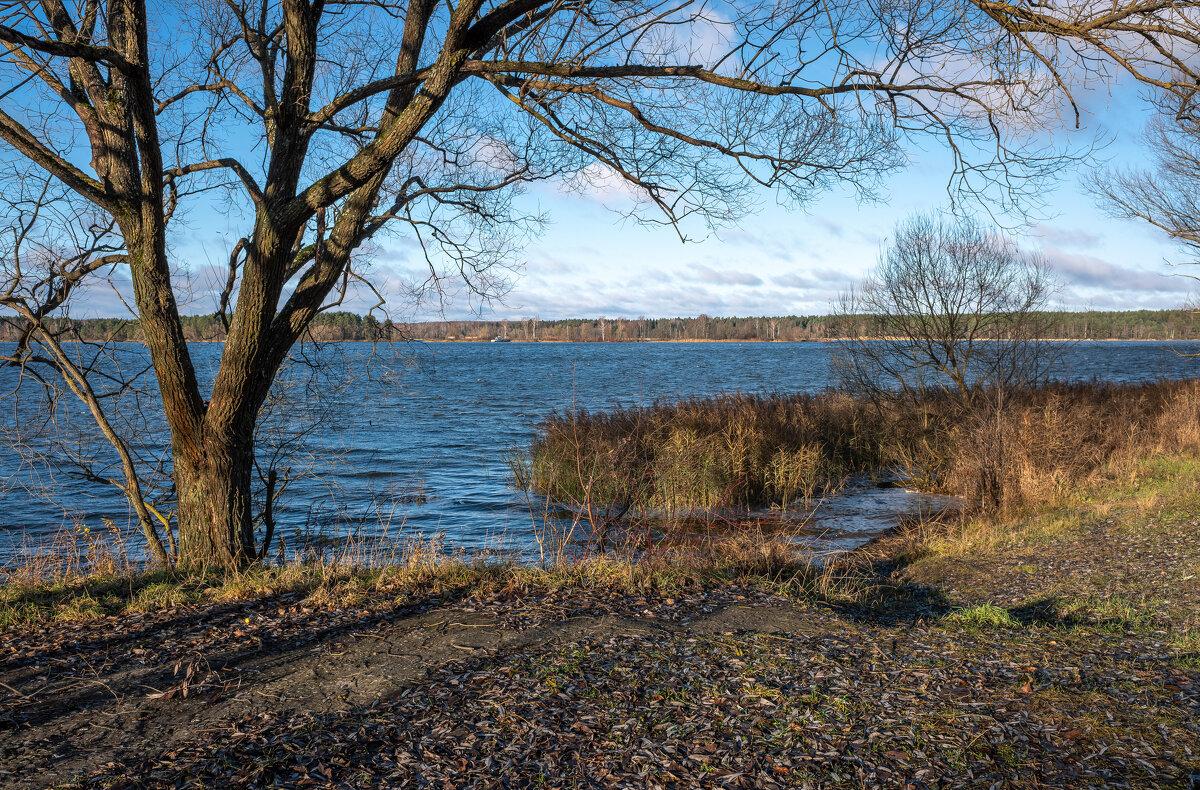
343,326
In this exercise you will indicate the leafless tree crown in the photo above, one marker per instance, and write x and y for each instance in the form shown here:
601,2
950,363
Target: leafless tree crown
952,307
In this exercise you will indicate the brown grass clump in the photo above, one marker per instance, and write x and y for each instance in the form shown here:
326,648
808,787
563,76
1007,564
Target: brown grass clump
74,551
413,571
732,451
1051,440
738,451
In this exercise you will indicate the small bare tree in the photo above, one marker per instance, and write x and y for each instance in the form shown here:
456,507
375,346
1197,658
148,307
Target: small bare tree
952,307
953,312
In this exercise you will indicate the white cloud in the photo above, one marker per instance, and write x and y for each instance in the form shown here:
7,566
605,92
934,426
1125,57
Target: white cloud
725,276
1065,236
1095,281
603,184
831,227
796,280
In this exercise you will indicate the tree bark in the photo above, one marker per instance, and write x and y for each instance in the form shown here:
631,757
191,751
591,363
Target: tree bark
214,501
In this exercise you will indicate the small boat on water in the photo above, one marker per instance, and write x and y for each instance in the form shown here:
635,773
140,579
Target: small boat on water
498,339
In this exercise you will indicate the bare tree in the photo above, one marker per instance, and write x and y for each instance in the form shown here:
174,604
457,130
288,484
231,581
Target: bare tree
954,313
1169,196
324,122
951,308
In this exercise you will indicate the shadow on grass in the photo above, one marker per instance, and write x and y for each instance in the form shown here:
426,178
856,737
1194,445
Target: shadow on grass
1061,611
211,637
881,598
177,606
104,595
867,589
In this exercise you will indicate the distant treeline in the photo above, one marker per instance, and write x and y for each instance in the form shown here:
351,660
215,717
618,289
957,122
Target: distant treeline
1092,325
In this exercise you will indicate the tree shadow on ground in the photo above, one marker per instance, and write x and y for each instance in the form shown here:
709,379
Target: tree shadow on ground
872,591
1064,611
98,662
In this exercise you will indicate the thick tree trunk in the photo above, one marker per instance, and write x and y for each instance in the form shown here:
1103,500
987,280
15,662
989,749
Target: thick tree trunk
213,491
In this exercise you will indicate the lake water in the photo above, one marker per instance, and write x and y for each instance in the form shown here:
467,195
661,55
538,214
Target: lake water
416,434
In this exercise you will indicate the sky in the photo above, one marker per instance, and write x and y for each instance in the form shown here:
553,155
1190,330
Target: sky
780,262
590,261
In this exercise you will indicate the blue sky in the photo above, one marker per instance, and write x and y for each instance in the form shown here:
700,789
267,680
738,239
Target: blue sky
786,262
591,262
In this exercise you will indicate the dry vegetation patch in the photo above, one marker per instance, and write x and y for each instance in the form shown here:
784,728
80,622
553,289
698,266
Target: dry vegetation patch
1123,555
749,451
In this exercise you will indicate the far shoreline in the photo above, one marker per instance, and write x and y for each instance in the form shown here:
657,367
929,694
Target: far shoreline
681,341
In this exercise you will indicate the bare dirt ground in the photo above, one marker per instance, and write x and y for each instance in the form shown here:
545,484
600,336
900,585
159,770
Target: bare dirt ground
74,696
729,686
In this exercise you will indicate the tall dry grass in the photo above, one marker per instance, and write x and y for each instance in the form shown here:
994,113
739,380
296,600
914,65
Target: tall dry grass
735,451
74,551
386,573
731,451
1053,439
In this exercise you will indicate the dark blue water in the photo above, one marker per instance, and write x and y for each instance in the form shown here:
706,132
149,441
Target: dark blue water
412,438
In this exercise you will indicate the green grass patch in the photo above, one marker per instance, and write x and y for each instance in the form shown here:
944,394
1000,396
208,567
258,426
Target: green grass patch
982,616
1185,649
1156,493
1113,613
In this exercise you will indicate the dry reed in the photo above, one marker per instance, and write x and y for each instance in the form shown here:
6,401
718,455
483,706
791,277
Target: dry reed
739,450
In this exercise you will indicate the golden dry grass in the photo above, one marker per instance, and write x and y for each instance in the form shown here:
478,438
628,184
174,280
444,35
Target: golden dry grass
757,451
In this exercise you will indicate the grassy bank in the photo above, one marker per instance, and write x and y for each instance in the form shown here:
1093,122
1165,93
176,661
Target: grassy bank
1113,555
739,451
420,572
1151,497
